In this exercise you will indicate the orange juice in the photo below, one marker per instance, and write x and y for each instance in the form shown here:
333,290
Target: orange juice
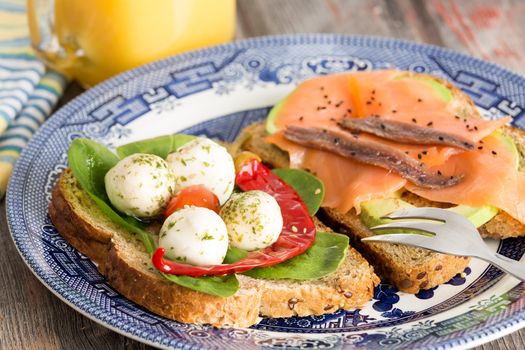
100,38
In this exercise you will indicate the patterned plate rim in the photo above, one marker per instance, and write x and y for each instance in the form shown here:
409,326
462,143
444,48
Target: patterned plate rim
66,294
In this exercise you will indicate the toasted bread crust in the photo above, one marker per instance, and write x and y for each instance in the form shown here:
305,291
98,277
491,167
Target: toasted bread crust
121,258
326,296
78,232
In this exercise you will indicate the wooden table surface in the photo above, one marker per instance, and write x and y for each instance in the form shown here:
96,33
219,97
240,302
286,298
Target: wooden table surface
31,317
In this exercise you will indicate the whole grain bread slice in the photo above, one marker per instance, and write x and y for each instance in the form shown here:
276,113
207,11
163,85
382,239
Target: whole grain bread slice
122,259
409,269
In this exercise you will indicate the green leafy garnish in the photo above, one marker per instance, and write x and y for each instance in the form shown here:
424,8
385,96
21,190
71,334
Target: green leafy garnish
234,255
222,286
322,258
309,187
90,162
160,146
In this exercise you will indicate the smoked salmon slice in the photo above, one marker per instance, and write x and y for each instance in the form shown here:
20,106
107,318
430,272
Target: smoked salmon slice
394,95
490,178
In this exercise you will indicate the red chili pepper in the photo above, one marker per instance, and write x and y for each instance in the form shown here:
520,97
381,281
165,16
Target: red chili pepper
297,235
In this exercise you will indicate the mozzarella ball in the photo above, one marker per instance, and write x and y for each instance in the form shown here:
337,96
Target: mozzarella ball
204,162
253,219
140,185
194,235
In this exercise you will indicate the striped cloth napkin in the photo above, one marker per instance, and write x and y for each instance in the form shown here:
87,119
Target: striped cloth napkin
28,93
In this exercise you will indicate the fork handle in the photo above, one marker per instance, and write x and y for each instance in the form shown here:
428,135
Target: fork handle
513,267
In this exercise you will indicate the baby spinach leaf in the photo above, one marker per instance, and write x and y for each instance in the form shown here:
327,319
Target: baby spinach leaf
129,223
160,146
234,254
309,187
90,162
222,286
322,258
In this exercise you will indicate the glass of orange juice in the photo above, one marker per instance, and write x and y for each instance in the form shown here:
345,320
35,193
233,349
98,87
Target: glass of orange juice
91,40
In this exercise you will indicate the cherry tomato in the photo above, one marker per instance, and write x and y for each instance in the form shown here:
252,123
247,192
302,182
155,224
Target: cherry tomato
197,195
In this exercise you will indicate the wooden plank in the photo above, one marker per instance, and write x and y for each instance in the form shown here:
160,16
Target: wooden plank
31,317
491,30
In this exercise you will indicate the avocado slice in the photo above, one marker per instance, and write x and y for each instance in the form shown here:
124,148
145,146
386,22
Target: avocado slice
372,213
270,119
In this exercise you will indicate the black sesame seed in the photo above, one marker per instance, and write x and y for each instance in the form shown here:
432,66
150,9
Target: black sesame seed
352,153
301,118
430,123
332,119
373,91
383,126
480,147
476,128
406,152
480,141
419,156
394,111
322,87
494,152
337,140
457,117
466,144
439,172
441,138
414,120
329,102
349,110
325,96
419,100
424,152
467,126
368,102
452,177
324,130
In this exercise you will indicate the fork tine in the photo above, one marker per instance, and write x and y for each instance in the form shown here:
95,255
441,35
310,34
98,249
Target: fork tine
410,225
422,213
451,219
404,238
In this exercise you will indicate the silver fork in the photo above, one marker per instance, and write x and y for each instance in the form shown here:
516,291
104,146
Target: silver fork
452,234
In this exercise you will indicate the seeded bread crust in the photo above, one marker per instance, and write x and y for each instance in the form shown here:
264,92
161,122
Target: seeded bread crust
121,258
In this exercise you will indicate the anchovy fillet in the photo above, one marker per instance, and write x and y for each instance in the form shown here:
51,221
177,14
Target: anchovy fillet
370,152
405,132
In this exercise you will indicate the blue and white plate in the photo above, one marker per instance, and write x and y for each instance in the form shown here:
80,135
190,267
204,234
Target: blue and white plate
216,92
